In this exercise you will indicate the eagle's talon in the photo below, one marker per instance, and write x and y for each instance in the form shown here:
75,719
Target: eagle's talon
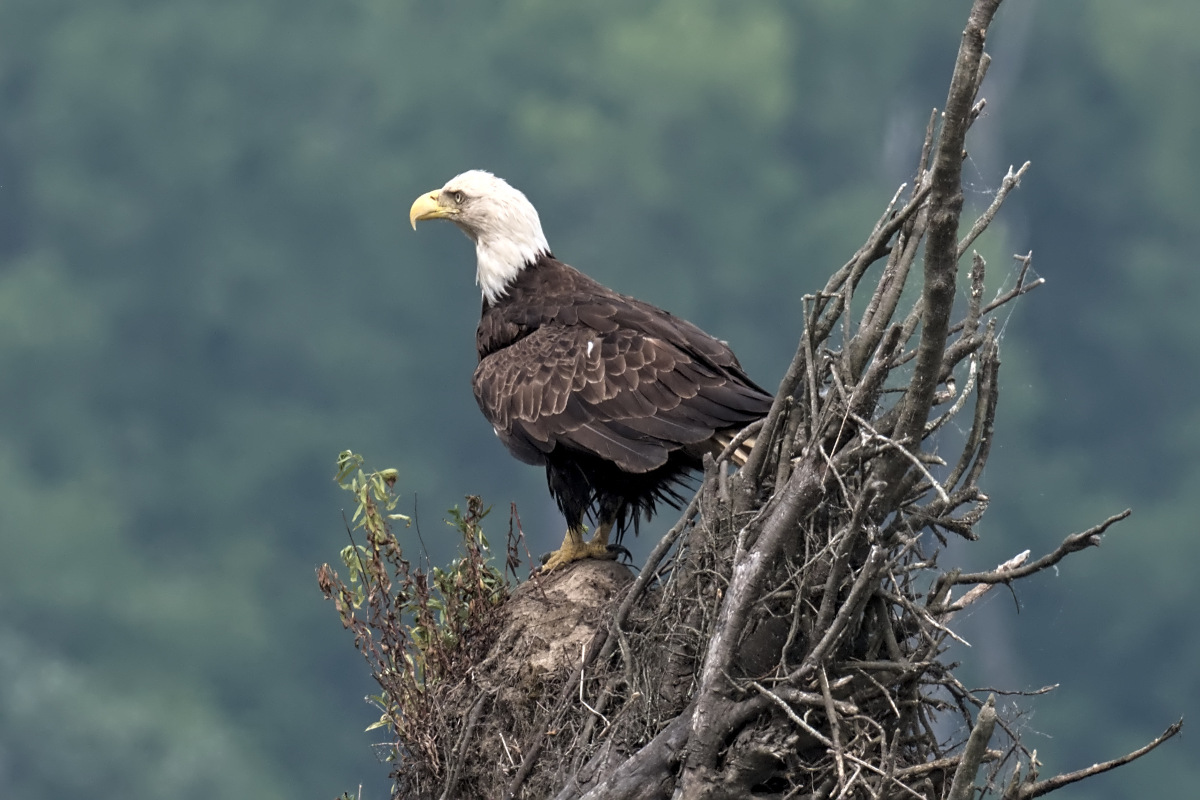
574,548
620,552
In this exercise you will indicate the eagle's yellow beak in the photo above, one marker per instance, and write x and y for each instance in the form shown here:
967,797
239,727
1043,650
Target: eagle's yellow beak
427,206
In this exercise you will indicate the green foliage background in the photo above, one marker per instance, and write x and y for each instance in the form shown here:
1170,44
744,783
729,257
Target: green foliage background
208,288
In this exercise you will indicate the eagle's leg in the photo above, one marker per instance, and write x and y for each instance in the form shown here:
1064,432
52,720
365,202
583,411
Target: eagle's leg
574,547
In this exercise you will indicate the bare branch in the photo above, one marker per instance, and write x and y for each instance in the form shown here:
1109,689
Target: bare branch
875,436
1010,182
1057,782
792,715
941,255
1072,544
963,786
981,589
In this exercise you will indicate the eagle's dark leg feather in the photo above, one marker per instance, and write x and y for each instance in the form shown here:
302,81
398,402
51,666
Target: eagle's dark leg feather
570,481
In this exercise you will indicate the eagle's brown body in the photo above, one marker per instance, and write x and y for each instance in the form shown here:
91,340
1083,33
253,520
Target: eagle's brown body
617,398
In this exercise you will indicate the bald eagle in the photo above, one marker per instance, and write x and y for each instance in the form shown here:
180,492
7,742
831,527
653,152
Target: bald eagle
617,399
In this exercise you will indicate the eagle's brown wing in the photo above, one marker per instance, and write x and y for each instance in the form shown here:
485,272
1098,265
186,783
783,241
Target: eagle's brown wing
626,396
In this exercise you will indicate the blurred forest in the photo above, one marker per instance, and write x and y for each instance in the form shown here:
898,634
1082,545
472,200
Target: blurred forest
208,288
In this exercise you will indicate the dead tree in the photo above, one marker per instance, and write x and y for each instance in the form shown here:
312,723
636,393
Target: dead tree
786,638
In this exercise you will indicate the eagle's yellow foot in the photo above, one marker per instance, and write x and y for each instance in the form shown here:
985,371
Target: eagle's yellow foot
575,548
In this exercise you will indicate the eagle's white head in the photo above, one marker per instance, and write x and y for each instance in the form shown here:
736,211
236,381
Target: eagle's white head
500,220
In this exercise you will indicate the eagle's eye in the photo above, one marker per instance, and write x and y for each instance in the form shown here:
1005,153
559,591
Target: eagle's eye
458,197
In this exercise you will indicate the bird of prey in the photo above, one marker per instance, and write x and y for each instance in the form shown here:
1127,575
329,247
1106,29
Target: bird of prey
617,399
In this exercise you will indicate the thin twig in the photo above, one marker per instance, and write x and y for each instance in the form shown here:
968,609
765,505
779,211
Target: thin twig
876,436
582,668
1010,182
834,724
456,760
1050,784
980,589
1072,544
792,715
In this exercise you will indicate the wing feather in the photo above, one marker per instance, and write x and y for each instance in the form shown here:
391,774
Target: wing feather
611,390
